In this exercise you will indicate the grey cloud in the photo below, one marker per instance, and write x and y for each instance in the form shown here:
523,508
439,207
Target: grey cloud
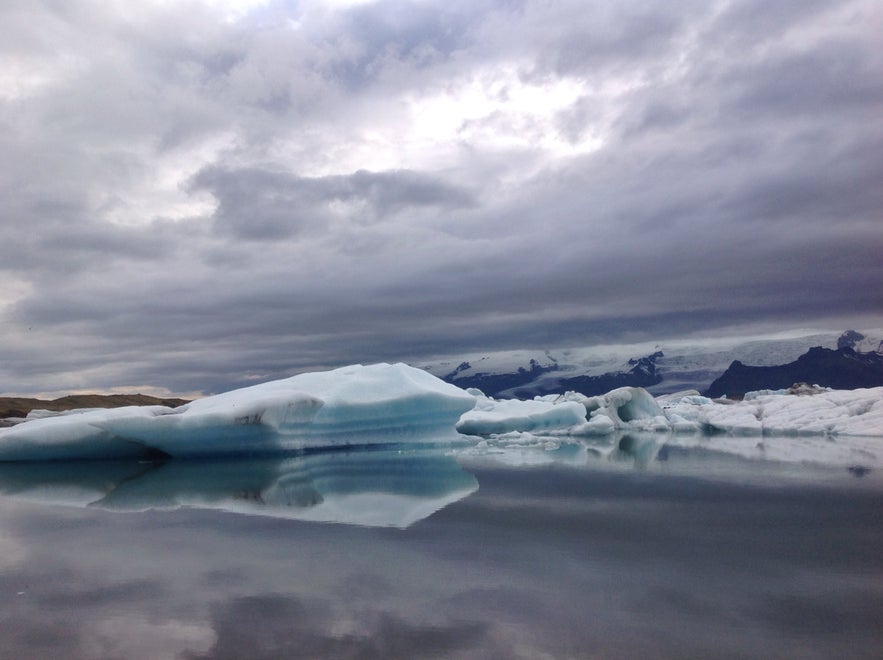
751,22
266,205
101,242
736,180
49,240
259,205
593,40
837,77
658,115
274,625
628,37
390,192
385,32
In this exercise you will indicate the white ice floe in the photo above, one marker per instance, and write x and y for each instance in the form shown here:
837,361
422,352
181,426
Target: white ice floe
825,412
830,412
829,427
569,414
351,405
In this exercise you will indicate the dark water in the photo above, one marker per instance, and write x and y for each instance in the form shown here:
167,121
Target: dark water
439,555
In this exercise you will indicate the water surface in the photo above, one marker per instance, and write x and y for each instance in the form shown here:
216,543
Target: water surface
555,551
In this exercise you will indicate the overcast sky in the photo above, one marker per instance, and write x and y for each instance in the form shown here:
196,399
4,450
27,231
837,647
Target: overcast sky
195,194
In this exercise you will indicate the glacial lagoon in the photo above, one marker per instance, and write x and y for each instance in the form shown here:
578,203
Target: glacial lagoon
617,547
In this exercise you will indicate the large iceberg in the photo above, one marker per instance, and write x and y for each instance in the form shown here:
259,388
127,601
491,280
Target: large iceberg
348,406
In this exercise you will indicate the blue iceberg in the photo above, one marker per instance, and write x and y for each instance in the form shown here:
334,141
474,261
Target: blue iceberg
355,405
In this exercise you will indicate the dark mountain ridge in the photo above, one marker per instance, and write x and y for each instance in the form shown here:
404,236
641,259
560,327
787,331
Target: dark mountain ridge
854,363
842,368
643,373
493,384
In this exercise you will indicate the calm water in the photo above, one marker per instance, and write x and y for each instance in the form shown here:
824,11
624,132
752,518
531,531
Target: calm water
464,553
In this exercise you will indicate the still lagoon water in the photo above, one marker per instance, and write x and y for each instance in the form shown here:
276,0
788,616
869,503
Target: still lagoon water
548,551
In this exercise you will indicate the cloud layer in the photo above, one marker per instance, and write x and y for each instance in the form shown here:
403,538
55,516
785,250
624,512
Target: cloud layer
199,193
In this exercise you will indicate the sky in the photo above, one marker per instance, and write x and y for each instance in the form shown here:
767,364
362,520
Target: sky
196,195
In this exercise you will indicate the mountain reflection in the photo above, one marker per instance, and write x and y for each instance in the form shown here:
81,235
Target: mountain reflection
389,488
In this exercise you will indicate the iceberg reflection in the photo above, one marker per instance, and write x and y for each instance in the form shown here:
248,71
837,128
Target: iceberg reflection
389,488
719,458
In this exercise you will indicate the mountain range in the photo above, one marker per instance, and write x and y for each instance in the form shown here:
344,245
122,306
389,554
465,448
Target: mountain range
844,361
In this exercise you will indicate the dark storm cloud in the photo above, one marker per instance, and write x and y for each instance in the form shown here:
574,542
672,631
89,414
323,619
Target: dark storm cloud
190,198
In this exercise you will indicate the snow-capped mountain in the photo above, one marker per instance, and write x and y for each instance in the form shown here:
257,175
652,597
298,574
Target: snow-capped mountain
860,343
661,368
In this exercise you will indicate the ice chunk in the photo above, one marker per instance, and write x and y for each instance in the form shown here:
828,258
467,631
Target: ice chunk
491,417
753,396
626,404
597,425
825,412
623,408
685,396
82,435
348,406
680,424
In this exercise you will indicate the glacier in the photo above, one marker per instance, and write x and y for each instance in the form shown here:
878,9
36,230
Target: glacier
386,404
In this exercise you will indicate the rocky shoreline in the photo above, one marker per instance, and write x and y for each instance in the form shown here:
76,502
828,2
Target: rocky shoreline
16,409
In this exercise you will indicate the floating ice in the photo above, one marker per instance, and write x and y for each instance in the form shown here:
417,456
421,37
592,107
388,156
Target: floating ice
491,417
627,407
572,413
395,403
82,435
832,427
348,406
824,412
830,412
